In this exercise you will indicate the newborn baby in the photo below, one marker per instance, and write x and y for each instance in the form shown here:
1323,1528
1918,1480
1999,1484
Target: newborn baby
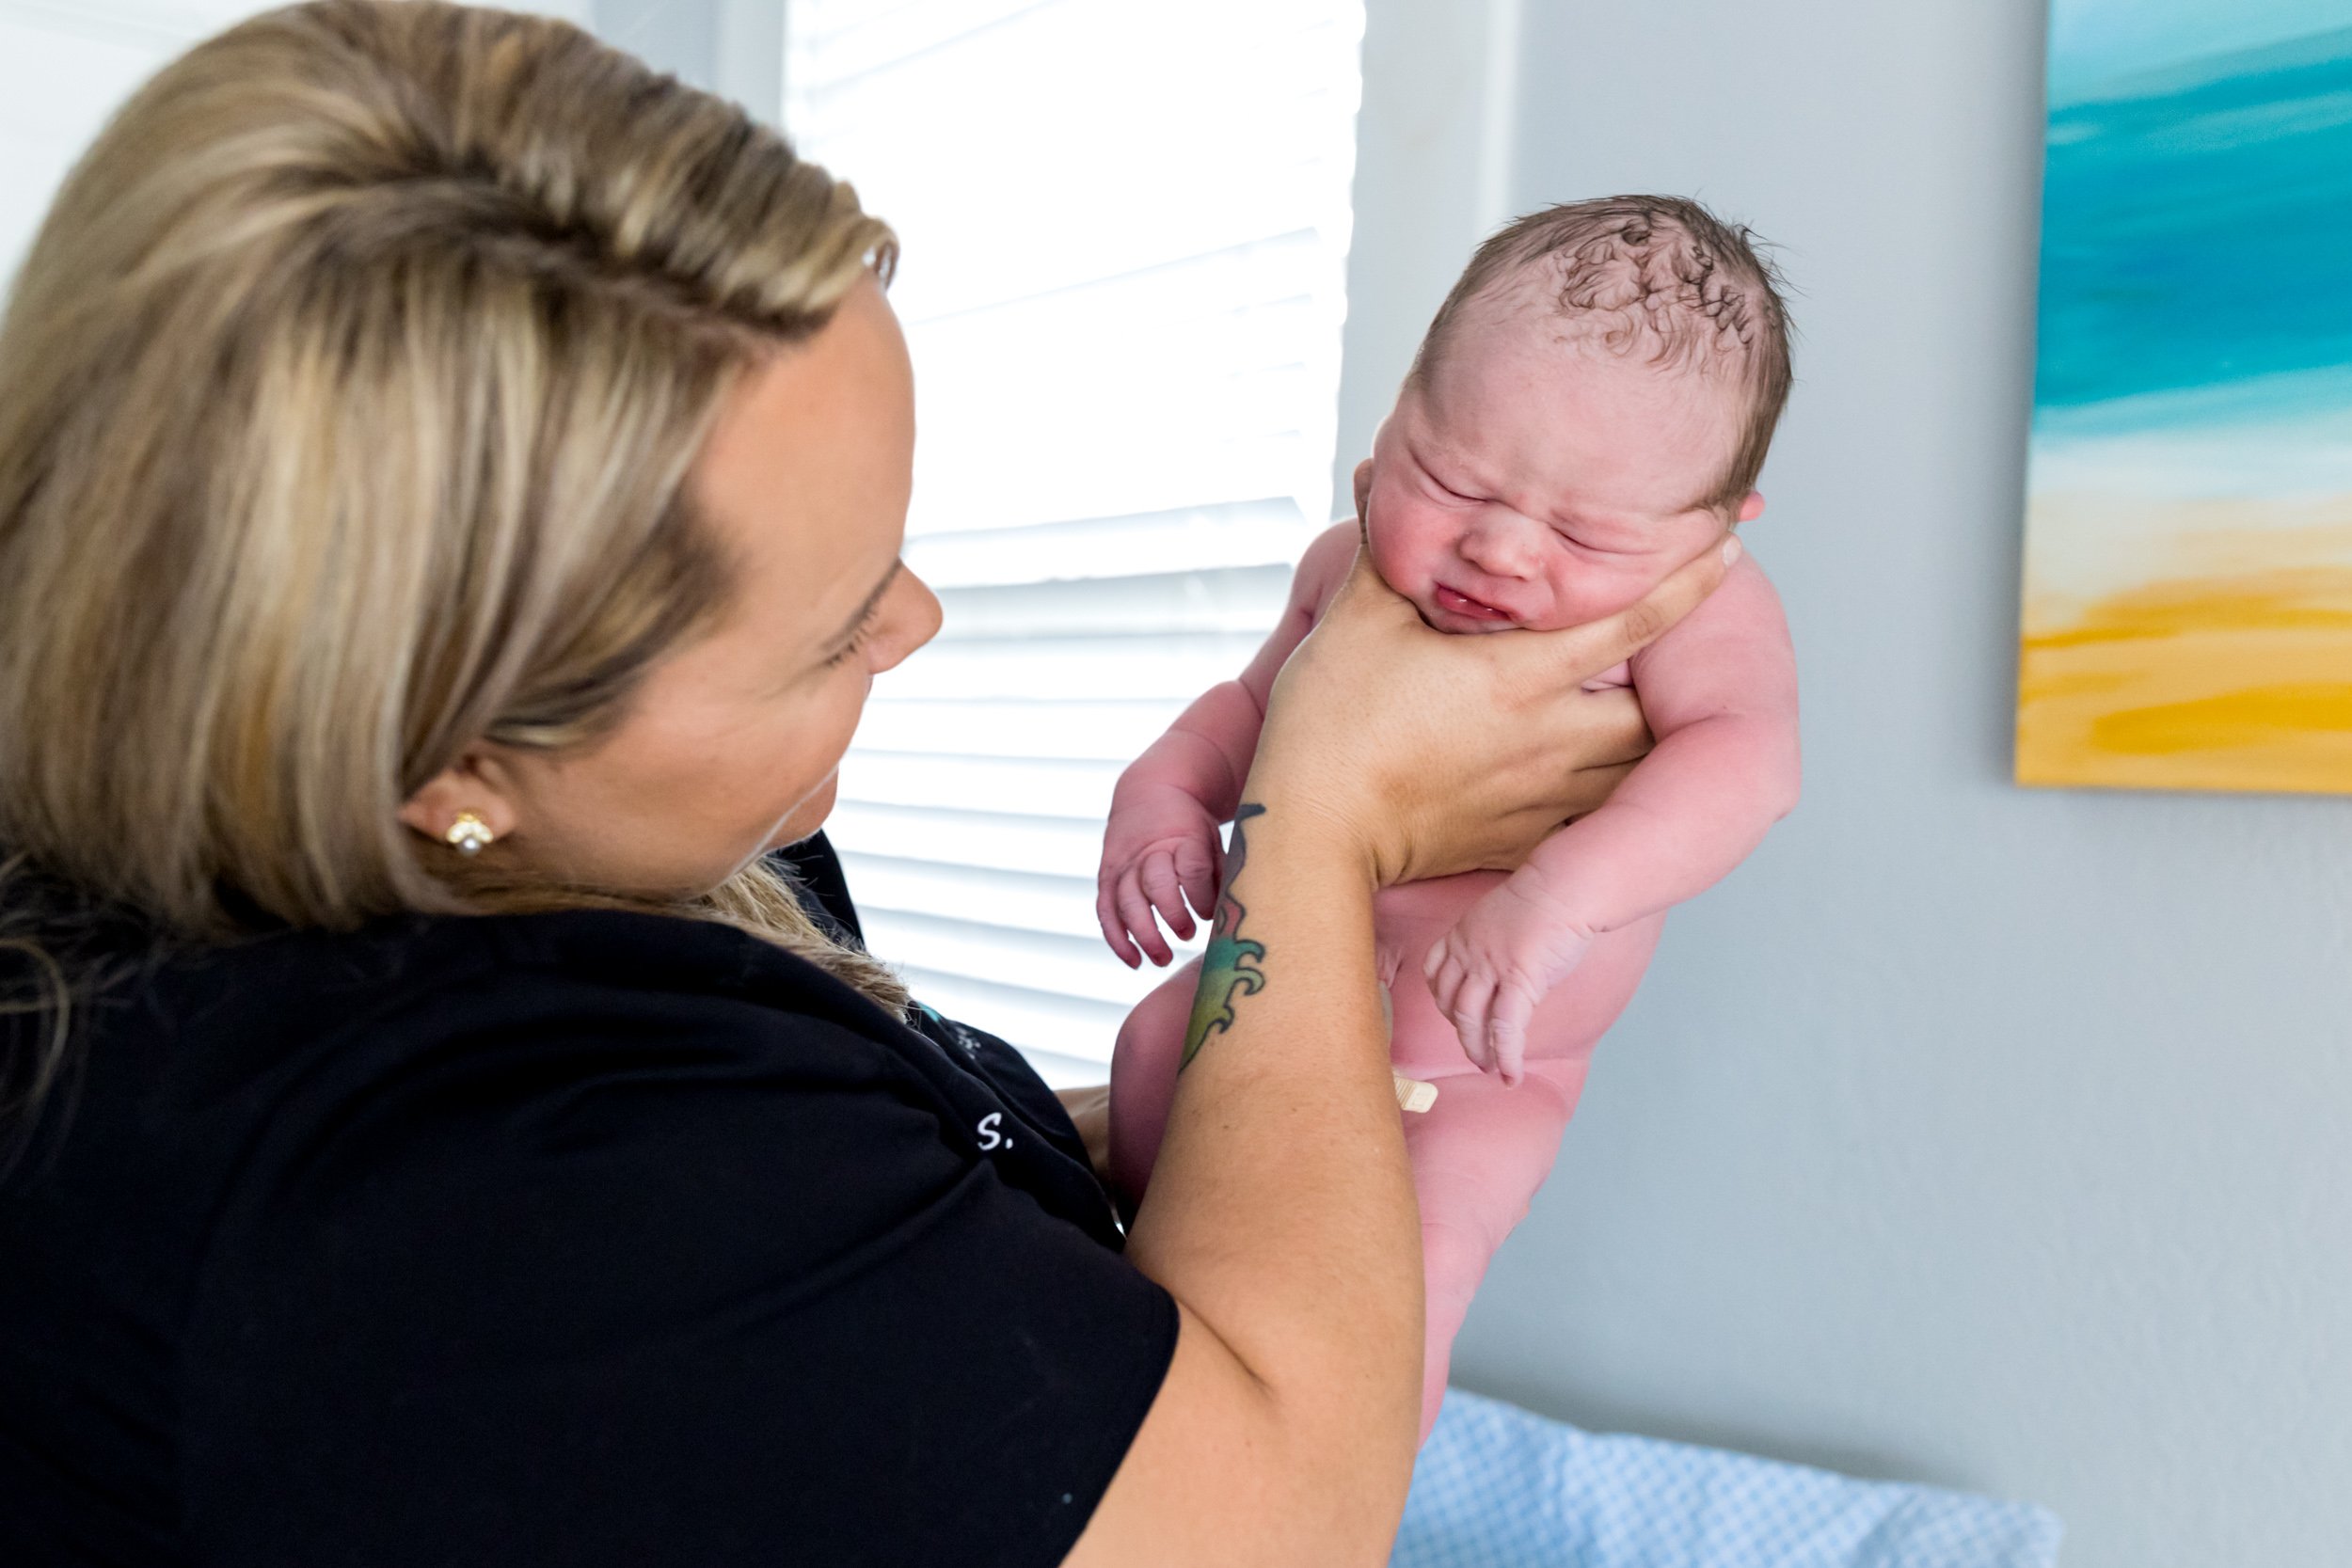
1589,410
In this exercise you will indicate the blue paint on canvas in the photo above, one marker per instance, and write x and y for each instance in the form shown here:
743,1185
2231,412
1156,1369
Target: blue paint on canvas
2187,605
2197,234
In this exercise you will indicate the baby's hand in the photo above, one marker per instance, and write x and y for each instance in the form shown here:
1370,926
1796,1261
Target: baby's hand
1159,848
1500,958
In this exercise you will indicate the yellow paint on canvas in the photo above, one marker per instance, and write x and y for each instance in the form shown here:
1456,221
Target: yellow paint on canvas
2237,676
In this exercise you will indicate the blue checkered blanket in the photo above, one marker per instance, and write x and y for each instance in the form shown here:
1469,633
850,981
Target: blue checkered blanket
1500,1488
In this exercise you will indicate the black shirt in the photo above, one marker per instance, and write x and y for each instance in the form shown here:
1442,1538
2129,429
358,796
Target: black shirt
570,1239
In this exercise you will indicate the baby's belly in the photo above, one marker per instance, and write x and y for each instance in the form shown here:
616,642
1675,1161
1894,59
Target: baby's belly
1409,919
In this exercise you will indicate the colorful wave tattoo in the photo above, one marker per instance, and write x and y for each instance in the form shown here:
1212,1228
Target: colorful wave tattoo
1231,968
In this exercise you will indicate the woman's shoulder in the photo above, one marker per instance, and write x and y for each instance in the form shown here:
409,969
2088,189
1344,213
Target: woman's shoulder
498,1046
253,1071
532,1072
407,985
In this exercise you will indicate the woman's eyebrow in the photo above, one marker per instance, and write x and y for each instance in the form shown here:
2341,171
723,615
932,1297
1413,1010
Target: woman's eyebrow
843,638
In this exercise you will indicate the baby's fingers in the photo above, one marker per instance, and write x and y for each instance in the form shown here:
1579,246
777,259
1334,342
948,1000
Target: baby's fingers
1445,973
1444,977
1114,928
1196,867
1135,910
1471,1005
1161,887
1461,995
1506,1033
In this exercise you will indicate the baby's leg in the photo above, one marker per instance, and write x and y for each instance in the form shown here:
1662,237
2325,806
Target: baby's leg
1478,1156
1481,1152
1143,1077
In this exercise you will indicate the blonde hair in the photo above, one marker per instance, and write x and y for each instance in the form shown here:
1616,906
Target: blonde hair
347,401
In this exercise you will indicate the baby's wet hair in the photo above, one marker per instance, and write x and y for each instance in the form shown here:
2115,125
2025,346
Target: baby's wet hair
1659,276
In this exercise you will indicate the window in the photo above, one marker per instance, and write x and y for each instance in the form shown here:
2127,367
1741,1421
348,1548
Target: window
1125,230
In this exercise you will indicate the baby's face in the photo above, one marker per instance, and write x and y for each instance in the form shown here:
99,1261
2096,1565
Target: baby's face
1540,484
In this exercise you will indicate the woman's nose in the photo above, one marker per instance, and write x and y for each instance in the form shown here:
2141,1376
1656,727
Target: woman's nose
1500,545
915,617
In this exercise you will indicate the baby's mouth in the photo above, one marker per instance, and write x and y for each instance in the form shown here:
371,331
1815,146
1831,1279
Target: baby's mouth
1462,604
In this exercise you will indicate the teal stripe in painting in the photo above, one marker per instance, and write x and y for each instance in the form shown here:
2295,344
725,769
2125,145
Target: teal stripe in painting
2197,227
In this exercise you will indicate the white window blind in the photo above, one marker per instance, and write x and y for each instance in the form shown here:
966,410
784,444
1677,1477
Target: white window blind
1126,227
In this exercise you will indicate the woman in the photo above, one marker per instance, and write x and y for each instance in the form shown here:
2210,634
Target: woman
451,483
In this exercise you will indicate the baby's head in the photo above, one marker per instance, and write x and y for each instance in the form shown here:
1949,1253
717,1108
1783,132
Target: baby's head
1591,405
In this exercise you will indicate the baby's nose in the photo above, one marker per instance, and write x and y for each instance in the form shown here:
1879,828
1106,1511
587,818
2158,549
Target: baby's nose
1501,546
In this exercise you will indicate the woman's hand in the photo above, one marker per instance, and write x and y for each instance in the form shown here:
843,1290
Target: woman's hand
1433,754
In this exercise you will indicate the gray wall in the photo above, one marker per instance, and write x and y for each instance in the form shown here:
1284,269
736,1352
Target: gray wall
732,47
1969,1134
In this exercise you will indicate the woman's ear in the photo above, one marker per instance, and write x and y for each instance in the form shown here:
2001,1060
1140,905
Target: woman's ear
472,784
1751,509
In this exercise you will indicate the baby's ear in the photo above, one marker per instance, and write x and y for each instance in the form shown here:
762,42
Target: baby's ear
1751,509
1364,486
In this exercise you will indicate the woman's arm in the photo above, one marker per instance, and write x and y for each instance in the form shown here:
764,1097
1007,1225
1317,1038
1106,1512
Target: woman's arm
1288,1410
1281,1214
1160,845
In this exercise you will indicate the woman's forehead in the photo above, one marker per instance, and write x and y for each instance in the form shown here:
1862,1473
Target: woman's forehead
805,474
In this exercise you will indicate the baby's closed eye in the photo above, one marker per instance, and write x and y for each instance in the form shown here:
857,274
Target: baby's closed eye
1615,546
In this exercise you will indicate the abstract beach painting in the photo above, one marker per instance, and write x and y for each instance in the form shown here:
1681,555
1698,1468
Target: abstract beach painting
2188,550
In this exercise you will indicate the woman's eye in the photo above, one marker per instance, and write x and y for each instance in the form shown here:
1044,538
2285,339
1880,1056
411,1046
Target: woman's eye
857,639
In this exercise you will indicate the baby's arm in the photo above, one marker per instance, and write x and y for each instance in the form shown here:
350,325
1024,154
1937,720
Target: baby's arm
1719,691
1160,846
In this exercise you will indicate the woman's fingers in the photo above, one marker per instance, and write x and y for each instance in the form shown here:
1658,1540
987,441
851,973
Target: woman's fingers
1430,754
1365,591
1616,730
1583,652
1589,789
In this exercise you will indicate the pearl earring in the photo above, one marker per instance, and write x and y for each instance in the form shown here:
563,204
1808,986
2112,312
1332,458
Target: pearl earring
468,835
